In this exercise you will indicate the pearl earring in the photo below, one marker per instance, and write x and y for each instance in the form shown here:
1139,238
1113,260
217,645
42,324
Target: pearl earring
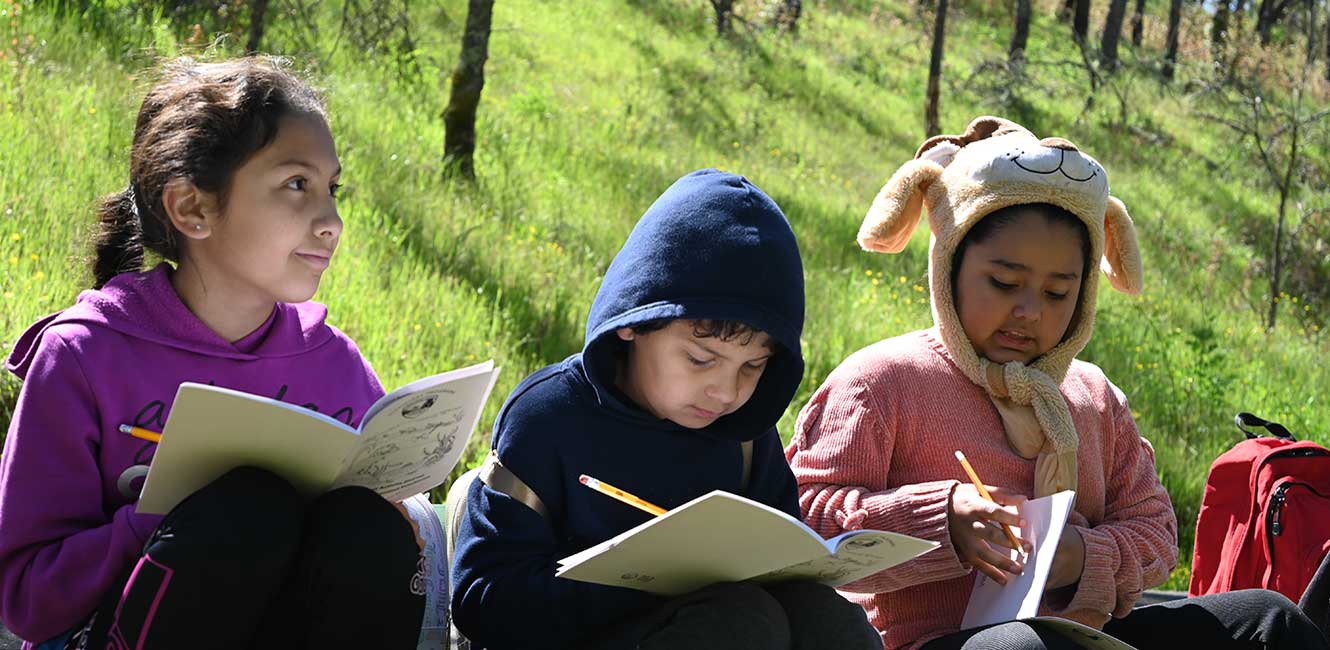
198,226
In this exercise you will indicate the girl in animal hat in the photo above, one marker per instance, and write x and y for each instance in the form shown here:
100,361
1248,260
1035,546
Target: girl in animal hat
1019,225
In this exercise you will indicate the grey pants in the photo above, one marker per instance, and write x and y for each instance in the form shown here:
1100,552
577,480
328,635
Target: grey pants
747,616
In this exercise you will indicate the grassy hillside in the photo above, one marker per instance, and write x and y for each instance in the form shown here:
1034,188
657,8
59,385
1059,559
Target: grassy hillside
592,108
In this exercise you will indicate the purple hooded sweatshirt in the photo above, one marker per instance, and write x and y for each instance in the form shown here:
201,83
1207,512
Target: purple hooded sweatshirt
69,479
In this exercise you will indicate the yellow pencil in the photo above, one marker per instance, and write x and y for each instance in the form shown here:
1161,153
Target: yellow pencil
983,492
139,432
609,490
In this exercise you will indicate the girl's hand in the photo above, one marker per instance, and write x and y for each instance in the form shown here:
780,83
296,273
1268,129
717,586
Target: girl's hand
975,524
1069,561
415,528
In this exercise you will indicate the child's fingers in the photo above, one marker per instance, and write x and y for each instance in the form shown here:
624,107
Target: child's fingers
999,559
992,572
996,566
1002,514
1006,497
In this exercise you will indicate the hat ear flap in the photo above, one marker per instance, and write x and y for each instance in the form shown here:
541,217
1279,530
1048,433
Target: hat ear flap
896,210
1122,254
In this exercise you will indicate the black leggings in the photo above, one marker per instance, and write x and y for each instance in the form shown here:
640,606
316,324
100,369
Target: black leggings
797,615
1252,619
247,563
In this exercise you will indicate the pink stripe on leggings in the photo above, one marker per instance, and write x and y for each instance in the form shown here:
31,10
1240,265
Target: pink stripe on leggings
115,632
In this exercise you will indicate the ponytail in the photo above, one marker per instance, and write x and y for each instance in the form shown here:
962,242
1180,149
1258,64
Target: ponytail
119,244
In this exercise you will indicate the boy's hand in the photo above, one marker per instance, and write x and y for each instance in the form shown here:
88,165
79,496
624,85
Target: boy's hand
975,524
1069,561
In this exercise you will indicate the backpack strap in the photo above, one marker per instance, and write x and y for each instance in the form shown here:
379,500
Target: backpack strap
746,449
1244,420
502,479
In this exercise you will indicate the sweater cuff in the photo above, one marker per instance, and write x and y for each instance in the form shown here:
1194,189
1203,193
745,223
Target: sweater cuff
918,510
1096,592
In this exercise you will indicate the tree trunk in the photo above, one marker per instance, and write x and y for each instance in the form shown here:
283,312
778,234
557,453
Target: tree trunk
1080,25
1275,267
1108,50
1171,47
1021,33
1285,188
459,118
723,10
1066,9
935,70
1312,21
1219,27
258,11
1268,14
1138,24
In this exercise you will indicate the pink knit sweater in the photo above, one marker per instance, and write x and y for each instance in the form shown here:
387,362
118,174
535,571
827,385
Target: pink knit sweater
874,449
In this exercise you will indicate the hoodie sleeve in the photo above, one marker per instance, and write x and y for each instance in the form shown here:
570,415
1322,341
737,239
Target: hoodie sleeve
771,481
842,444
59,549
505,595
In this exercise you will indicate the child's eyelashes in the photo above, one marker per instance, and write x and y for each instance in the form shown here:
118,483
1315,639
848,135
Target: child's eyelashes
300,184
701,363
1010,286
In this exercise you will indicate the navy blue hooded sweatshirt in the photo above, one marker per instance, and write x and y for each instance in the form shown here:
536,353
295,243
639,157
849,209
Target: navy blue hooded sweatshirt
713,246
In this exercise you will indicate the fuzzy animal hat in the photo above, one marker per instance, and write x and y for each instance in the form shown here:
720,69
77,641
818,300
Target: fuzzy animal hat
962,179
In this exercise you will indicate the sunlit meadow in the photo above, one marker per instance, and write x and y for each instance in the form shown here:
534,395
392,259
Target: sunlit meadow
592,108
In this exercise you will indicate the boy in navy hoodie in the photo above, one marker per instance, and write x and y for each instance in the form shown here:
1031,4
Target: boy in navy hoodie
692,348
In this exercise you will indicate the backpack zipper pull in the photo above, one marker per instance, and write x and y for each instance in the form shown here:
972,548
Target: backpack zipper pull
1277,510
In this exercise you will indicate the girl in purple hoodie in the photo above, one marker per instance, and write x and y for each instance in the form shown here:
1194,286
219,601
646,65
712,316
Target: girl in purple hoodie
233,180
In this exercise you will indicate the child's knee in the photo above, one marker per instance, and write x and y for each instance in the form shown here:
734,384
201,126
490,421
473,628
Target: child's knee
355,528
742,615
248,517
815,611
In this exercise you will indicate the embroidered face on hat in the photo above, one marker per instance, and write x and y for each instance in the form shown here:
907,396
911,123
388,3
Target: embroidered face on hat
961,179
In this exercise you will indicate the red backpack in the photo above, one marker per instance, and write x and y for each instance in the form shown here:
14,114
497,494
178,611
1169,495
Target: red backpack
1265,516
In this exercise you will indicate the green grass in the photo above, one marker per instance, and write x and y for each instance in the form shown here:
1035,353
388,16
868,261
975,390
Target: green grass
592,108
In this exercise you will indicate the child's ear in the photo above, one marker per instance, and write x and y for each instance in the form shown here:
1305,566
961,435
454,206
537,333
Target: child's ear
896,210
1122,255
191,210
626,333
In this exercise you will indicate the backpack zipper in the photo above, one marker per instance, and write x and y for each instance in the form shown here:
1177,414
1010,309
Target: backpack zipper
1274,524
1277,509
1274,512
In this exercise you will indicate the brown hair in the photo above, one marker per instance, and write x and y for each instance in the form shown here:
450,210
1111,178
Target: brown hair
725,330
200,122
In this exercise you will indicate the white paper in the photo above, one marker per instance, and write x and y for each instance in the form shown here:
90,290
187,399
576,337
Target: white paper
992,603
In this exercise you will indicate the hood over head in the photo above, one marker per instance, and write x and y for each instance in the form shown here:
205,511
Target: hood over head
712,247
